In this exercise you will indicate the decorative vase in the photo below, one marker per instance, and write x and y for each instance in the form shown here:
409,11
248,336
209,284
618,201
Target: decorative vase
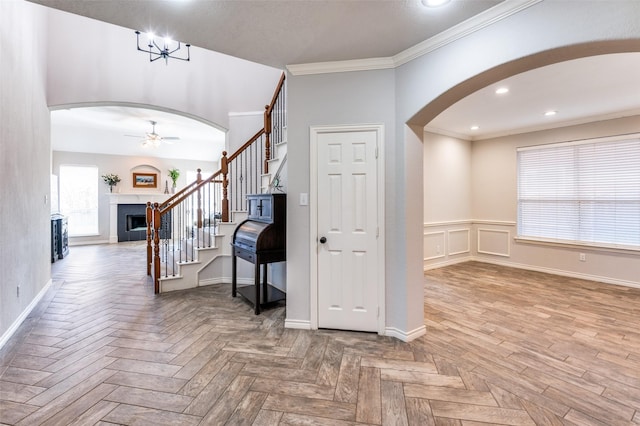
173,188
110,188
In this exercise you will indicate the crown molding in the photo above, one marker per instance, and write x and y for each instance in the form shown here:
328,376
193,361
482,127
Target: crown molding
342,66
475,23
488,17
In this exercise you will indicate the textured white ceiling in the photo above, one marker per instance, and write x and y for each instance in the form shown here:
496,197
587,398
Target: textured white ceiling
106,130
284,32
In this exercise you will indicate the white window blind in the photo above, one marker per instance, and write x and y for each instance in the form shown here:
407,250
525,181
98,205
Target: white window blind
585,192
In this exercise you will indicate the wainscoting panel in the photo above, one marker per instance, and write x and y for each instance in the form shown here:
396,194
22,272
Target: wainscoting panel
494,241
434,245
459,241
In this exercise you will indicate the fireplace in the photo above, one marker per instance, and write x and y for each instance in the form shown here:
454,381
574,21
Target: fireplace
132,222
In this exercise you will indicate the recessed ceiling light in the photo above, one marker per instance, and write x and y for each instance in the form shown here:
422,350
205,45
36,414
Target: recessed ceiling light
434,3
502,90
474,127
550,113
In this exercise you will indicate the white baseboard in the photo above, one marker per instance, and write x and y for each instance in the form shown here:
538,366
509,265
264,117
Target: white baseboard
89,243
7,334
436,265
224,280
406,336
560,272
526,267
297,324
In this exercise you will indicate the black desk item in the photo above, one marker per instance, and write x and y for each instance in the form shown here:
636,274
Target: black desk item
261,239
59,237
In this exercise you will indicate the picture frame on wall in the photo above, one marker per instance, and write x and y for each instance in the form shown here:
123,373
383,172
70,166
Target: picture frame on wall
145,180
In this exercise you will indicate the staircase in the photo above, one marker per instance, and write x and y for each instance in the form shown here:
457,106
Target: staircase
189,235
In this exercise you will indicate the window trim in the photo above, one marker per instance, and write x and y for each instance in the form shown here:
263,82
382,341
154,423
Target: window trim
610,247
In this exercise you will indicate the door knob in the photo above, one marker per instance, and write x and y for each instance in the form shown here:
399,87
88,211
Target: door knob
323,240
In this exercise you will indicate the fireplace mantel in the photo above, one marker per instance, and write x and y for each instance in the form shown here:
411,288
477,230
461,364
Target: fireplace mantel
131,198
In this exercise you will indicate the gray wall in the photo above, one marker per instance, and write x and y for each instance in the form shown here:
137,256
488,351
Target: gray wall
25,160
327,99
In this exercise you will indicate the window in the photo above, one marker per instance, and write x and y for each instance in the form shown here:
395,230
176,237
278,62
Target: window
79,199
585,192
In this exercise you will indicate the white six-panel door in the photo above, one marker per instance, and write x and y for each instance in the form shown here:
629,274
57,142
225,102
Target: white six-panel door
347,230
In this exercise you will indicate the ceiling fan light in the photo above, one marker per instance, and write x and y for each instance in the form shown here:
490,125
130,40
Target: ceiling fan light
434,3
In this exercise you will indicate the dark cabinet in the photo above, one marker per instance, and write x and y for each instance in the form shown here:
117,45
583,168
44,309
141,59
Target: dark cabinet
59,237
261,239
267,208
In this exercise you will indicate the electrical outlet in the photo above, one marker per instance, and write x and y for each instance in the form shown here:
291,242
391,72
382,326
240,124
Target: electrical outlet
438,249
583,257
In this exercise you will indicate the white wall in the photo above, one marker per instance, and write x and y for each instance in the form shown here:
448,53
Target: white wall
447,178
124,167
25,161
489,230
242,126
447,199
92,61
494,186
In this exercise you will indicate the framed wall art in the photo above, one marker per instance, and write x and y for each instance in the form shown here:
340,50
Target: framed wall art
145,180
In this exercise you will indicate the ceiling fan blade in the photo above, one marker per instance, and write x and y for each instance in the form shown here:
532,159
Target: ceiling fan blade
134,136
170,138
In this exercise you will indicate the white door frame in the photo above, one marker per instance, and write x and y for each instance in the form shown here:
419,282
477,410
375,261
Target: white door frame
313,216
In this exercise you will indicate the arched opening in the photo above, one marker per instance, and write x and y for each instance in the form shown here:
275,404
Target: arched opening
129,141
470,213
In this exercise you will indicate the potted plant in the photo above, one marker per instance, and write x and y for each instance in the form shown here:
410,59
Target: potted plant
174,174
111,180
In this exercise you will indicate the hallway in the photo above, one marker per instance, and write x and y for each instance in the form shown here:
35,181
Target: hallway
503,346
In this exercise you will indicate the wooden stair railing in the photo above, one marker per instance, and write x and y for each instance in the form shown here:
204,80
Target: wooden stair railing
188,220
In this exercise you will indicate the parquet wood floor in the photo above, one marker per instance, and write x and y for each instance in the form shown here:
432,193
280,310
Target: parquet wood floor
503,346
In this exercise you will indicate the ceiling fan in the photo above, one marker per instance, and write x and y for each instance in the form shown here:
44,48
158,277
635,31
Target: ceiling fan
152,139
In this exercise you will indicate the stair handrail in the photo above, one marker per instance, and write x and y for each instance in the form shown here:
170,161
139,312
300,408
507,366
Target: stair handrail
156,211
268,110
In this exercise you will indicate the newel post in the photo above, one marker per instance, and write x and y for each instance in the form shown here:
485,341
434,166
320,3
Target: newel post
224,167
198,180
156,248
267,139
149,212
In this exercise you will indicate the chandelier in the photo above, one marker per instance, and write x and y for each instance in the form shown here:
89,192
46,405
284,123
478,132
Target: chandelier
165,50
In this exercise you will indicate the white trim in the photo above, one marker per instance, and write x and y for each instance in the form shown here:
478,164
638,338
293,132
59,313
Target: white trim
298,324
342,66
406,336
469,222
451,231
560,272
448,262
484,19
612,138
438,256
494,222
244,114
225,280
448,223
497,231
313,216
16,324
577,244
488,17
88,242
